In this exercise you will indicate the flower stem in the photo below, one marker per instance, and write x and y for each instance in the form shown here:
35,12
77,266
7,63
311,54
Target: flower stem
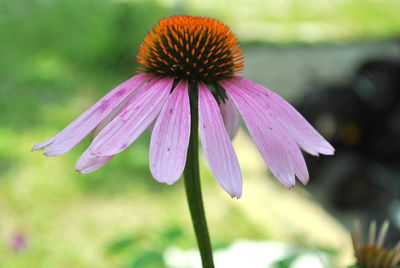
193,187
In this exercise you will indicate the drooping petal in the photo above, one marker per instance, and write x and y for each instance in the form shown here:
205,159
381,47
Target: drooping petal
278,149
133,119
298,127
217,146
230,115
170,137
111,115
89,163
44,144
85,123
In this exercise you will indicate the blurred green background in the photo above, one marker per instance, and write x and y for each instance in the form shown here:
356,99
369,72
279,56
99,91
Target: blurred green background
59,56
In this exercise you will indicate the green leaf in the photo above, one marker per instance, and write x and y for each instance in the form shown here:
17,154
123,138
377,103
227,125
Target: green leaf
148,259
122,244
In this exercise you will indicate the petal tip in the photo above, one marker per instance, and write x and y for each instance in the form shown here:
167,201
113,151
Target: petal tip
50,153
305,181
331,151
90,162
169,183
43,144
289,185
168,180
81,168
234,192
236,195
82,171
85,169
326,149
38,146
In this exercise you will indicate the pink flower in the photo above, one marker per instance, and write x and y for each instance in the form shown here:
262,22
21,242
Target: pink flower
19,242
180,55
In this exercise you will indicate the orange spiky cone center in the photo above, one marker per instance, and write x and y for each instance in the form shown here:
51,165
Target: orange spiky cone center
194,48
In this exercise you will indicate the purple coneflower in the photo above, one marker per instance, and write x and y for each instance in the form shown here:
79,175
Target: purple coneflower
188,80
181,56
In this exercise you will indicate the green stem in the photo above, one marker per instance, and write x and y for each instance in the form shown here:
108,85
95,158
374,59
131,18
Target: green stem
192,184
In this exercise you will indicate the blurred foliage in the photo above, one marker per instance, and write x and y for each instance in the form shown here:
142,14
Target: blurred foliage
86,33
305,20
56,47
138,251
285,263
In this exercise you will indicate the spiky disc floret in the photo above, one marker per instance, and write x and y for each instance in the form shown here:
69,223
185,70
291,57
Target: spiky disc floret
195,48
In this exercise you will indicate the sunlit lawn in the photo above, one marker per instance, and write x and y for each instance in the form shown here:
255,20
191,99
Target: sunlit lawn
305,20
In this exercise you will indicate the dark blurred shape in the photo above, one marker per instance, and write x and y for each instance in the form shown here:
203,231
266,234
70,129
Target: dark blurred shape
363,115
361,119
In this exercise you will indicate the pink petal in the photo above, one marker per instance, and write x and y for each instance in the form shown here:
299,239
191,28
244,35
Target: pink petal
278,149
170,137
230,116
151,126
90,163
217,146
85,123
111,116
134,118
304,134
44,144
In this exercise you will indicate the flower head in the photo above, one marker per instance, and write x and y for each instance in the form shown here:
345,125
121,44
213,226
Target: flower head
372,254
193,48
18,242
179,56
